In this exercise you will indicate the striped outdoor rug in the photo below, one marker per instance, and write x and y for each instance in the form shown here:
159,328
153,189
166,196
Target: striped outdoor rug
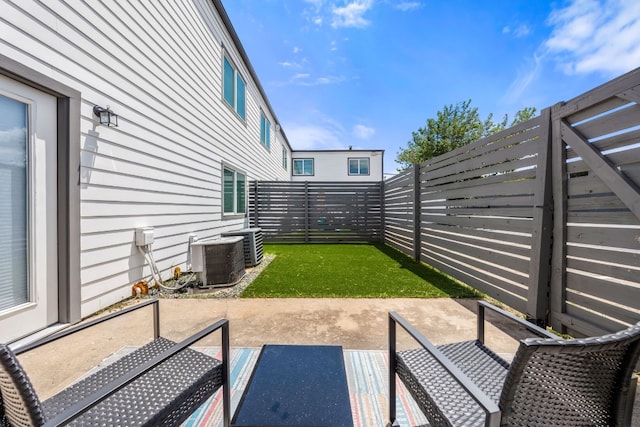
367,373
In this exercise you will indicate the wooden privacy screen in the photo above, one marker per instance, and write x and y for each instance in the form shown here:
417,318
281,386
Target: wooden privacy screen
595,285
315,212
544,216
477,213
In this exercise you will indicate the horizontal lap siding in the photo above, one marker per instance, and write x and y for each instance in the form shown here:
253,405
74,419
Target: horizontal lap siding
157,65
477,213
317,212
601,285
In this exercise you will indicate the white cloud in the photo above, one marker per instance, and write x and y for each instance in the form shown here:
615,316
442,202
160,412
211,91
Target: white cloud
314,137
328,80
587,36
316,131
521,30
526,76
592,36
297,49
363,132
306,79
406,6
351,15
313,12
300,76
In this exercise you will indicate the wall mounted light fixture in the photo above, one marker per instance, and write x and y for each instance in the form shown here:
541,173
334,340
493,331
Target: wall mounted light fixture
107,117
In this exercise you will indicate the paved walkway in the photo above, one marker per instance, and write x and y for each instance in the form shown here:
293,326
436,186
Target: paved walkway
358,324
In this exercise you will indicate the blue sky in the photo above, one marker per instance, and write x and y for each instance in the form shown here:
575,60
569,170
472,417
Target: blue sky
367,73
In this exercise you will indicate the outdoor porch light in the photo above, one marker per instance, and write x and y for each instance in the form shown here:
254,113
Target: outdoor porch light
107,117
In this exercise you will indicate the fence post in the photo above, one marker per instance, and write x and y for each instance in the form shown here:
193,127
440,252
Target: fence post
255,204
382,215
416,212
557,290
306,211
542,230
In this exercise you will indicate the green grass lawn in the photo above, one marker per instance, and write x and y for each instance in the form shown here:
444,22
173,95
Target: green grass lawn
350,271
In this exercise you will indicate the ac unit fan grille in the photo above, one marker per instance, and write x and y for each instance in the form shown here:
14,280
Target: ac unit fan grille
252,239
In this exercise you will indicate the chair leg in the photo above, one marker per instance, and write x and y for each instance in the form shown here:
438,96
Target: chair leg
392,373
628,411
226,380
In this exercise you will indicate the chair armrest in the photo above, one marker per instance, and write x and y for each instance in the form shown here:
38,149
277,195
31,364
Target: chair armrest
522,322
490,408
72,330
87,403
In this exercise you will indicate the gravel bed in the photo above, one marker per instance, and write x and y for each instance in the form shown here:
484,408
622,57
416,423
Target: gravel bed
232,291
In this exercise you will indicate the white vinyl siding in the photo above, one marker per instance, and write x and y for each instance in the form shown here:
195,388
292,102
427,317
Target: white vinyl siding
341,165
159,67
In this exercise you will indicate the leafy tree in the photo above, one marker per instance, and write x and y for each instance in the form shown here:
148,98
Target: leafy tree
455,126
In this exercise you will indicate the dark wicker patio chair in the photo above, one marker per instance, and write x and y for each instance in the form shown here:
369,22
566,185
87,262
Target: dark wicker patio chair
550,382
160,383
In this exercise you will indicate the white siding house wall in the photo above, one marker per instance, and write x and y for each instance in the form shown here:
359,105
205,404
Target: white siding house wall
333,165
158,66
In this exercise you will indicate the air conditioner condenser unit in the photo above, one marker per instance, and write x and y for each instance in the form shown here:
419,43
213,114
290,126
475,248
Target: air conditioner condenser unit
253,251
218,262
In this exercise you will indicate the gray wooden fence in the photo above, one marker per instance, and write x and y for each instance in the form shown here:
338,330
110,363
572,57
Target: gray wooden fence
313,212
544,216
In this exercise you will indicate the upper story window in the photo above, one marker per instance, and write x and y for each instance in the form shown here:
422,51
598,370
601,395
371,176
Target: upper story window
285,160
359,166
234,88
303,166
265,131
234,196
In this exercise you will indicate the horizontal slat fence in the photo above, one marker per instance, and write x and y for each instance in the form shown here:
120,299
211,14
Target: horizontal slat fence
316,212
399,205
596,263
544,216
476,213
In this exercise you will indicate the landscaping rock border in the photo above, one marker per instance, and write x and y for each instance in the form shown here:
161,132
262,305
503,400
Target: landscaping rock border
232,291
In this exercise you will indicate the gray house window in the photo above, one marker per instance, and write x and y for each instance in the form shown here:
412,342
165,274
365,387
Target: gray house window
303,166
233,91
359,166
234,198
285,161
265,131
